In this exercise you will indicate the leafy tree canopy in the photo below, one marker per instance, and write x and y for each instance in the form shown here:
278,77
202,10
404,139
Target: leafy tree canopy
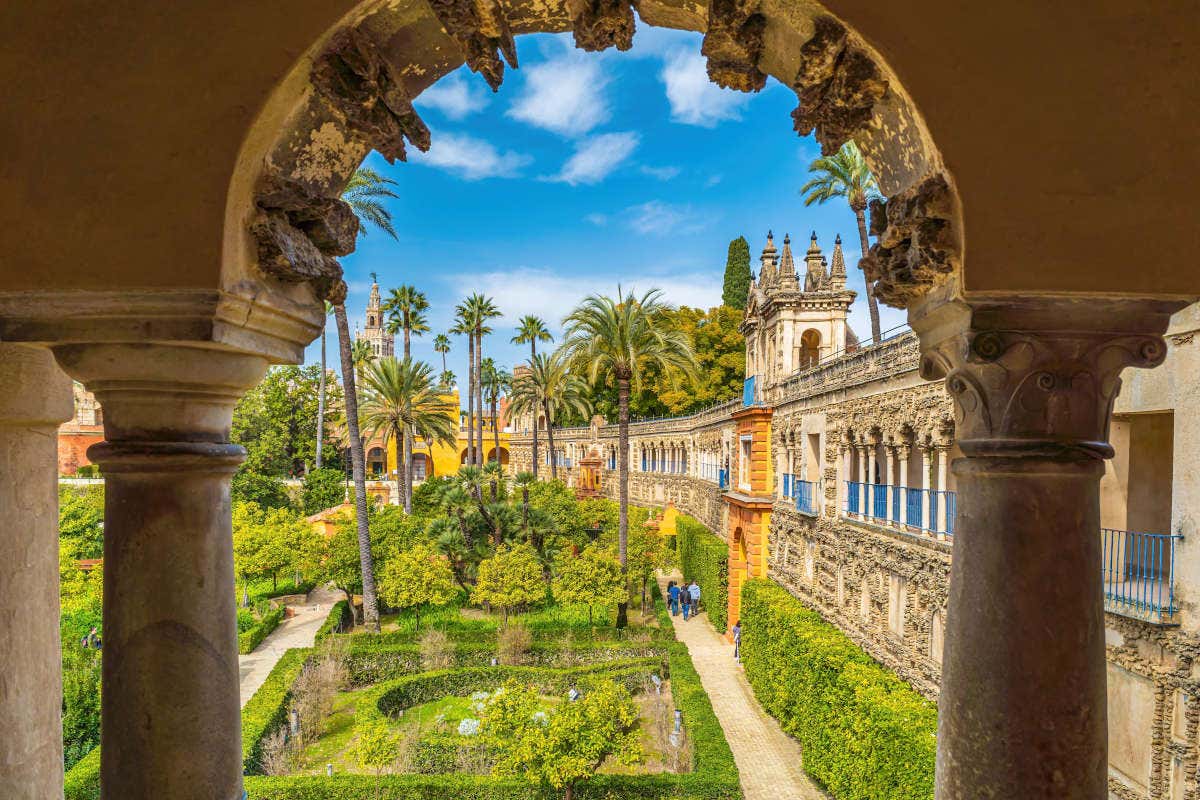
80,520
592,578
276,422
417,578
510,578
736,289
323,488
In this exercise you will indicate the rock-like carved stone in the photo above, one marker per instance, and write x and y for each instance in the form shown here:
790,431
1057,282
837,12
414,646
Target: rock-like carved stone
917,245
298,233
734,44
838,85
354,77
481,29
1039,377
601,24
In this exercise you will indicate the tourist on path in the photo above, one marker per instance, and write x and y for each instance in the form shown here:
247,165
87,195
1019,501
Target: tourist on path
737,641
694,592
685,599
673,598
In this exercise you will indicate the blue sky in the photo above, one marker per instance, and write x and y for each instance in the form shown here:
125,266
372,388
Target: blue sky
588,170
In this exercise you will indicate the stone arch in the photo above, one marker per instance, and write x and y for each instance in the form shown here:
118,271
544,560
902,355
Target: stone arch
810,349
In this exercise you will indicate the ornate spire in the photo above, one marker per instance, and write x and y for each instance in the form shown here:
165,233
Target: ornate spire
837,272
814,280
787,267
769,260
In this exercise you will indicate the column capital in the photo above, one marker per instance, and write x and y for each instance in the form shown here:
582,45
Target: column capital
1037,376
39,393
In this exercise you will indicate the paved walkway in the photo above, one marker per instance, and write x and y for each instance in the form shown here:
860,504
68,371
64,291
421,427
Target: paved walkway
296,631
767,758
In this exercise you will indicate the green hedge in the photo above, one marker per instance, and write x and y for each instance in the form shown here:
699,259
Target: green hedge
82,781
704,558
253,638
268,708
340,619
866,735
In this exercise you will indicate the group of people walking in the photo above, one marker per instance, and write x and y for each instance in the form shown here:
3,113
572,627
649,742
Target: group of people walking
686,597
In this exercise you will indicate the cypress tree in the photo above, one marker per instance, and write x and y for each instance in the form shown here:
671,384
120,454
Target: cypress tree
737,274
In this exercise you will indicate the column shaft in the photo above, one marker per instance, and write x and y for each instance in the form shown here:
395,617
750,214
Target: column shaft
943,454
37,398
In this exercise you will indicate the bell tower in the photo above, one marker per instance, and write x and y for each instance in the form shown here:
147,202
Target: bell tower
383,344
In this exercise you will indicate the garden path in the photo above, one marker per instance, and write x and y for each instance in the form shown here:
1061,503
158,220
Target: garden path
297,631
768,760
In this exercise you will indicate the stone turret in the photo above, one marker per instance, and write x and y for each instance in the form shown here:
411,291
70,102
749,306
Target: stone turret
815,279
837,272
788,281
769,261
383,344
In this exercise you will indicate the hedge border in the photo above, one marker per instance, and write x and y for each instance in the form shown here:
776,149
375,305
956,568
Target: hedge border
865,733
704,557
254,637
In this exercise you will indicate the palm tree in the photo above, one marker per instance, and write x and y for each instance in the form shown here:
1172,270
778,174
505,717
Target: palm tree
463,327
363,193
524,480
441,344
481,309
496,381
532,329
551,389
321,389
619,340
406,309
446,379
400,396
846,174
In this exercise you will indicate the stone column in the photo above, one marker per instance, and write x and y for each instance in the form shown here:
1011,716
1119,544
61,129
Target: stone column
35,401
889,458
863,490
1023,704
872,456
904,451
943,466
927,485
170,712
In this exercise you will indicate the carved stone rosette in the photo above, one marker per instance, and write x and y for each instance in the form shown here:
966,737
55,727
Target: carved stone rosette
1039,376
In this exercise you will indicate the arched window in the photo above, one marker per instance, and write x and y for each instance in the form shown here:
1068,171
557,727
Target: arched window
810,349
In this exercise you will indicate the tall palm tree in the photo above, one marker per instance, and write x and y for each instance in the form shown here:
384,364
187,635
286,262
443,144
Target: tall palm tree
441,344
496,381
446,379
532,329
321,389
463,327
619,340
363,193
550,389
400,396
846,174
406,307
482,310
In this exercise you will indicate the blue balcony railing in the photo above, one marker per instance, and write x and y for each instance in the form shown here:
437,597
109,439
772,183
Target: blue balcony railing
723,478
787,485
1139,572
806,494
902,506
750,392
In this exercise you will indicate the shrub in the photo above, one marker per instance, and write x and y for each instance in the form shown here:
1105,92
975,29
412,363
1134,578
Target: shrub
866,734
253,638
704,558
339,620
437,651
513,644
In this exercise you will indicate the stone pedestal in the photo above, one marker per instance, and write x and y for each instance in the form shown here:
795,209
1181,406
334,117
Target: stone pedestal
36,400
170,711
1023,706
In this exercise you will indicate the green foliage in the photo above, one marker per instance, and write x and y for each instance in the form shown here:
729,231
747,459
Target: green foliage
416,578
736,289
253,638
426,500
866,734
80,520
565,745
593,578
376,746
268,542
704,558
323,488
265,491
511,578
339,619
557,502
81,701
276,422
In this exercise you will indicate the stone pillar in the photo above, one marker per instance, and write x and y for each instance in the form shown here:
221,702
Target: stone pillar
903,453
872,455
943,465
1023,704
889,458
170,711
35,401
863,490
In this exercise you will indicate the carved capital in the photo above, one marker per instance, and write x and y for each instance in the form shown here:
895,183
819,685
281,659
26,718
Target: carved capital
358,82
481,29
734,44
1038,376
838,85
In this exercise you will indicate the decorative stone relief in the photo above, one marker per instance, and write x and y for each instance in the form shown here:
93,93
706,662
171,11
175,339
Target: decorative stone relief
917,246
734,44
601,24
838,85
480,27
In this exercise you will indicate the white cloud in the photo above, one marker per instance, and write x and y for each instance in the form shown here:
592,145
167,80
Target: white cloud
599,220
655,217
713,180
454,96
694,99
596,157
564,95
557,293
662,173
470,158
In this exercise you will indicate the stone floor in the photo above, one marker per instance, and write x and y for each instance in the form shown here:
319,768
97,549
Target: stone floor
296,631
768,759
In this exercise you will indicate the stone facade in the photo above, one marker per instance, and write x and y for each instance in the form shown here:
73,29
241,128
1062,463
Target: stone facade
869,414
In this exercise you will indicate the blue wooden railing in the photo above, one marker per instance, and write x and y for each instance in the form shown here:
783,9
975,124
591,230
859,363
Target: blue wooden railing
750,392
805,493
723,478
914,508
1139,572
